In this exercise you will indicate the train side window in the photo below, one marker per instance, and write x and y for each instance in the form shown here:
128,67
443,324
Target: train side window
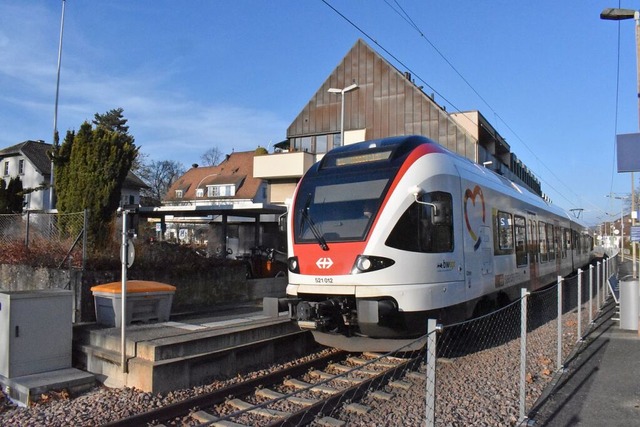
532,239
542,233
504,233
520,226
563,242
426,226
551,241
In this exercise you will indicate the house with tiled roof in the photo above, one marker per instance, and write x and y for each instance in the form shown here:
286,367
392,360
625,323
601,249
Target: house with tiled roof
222,207
30,161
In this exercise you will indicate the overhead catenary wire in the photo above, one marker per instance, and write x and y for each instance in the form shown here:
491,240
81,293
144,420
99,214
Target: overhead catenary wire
398,9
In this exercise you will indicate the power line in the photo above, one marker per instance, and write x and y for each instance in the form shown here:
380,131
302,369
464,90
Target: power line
405,16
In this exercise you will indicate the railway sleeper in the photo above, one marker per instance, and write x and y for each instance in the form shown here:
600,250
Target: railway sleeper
321,388
265,412
403,385
327,376
343,368
360,361
206,417
267,393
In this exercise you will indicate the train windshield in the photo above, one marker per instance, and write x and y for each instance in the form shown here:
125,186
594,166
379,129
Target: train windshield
337,210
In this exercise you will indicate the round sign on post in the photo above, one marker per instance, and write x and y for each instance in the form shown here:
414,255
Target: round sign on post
131,253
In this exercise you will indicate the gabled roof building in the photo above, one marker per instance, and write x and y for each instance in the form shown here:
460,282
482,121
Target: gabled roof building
30,161
385,102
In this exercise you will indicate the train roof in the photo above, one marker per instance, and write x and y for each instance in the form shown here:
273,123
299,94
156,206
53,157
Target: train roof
394,149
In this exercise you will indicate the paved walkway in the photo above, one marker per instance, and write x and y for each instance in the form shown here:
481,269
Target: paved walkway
601,384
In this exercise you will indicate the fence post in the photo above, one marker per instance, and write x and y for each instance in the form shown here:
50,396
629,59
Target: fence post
590,294
26,234
430,397
85,225
579,305
559,353
598,284
523,352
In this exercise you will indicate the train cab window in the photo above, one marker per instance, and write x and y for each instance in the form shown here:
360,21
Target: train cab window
504,233
426,226
520,227
542,233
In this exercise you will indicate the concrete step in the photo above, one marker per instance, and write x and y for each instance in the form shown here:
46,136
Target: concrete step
27,389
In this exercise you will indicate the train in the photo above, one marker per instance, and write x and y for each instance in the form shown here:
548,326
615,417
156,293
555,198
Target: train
384,234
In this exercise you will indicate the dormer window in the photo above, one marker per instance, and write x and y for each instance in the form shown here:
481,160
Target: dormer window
179,194
199,192
227,190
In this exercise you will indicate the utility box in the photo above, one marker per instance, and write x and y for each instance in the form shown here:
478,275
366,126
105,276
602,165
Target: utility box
146,301
629,295
35,331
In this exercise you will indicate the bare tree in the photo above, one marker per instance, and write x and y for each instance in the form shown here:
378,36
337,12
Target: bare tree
159,176
211,157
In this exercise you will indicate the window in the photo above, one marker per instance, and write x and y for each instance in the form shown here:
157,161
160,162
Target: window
21,166
321,144
199,192
6,168
426,226
521,240
504,229
542,232
179,194
551,242
221,190
532,240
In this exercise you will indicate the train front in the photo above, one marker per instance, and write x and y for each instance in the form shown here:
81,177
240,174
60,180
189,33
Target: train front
345,278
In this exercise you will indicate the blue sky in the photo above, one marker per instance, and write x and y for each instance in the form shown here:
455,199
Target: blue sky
196,74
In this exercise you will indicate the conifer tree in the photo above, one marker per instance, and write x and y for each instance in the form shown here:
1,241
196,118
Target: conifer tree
14,195
90,167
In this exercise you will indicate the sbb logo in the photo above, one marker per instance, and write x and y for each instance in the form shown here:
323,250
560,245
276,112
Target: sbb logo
324,263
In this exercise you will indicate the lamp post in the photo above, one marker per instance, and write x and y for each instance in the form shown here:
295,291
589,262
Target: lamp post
55,110
618,15
342,92
621,221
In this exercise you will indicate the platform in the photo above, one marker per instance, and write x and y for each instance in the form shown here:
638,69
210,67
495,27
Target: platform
187,352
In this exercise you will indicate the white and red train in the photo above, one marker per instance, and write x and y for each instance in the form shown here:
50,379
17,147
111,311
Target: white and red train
384,234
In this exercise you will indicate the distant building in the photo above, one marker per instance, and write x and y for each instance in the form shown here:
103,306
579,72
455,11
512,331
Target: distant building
222,207
386,103
29,161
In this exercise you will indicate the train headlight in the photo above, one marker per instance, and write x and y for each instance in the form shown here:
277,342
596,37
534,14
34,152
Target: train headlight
366,263
293,264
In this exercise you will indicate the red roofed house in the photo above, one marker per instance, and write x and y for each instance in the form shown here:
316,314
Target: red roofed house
220,206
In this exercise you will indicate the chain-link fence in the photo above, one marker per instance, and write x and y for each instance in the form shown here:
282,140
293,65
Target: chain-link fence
48,239
486,371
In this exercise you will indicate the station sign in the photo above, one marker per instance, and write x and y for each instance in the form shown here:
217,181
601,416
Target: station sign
635,233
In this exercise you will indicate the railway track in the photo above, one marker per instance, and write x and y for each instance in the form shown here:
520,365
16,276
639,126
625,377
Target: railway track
293,395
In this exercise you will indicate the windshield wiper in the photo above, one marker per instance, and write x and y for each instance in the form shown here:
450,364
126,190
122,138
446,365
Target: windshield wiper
312,226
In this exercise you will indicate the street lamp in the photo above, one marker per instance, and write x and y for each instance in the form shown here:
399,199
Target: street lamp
618,15
342,92
621,220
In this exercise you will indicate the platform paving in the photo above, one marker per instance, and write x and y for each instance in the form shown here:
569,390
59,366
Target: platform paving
600,385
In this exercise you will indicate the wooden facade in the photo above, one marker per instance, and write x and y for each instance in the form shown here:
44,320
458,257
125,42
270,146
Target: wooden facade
386,103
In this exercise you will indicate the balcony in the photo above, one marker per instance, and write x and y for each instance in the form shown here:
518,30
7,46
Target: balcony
282,165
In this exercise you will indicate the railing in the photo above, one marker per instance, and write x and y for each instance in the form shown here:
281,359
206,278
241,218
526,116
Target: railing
486,371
